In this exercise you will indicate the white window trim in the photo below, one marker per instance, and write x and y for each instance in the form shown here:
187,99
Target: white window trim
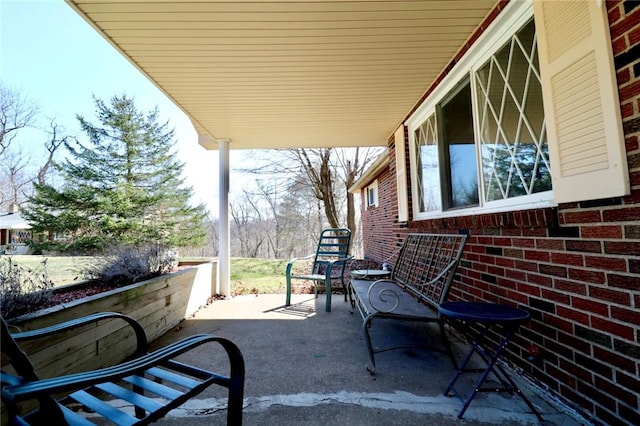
512,18
374,187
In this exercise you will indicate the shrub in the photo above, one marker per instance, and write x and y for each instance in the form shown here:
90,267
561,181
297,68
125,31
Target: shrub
130,264
23,290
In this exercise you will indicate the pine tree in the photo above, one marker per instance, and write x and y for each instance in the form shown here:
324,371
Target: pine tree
124,186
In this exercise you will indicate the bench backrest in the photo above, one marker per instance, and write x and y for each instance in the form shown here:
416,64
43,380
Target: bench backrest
427,264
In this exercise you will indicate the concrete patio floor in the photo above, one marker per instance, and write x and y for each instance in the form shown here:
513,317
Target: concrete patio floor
305,366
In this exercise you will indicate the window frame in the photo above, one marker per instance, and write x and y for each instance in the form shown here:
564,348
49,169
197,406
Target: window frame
371,189
512,19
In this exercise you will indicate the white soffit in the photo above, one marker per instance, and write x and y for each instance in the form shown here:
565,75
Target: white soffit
280,74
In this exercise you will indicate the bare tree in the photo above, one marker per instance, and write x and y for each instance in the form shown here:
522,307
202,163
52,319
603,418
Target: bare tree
18,170
329,173
52,145
15,182
15,113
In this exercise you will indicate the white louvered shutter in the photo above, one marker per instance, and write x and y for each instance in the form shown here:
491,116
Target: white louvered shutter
582,109
401,176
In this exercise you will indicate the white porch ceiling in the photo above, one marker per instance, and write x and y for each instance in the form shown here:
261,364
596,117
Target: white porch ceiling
278,74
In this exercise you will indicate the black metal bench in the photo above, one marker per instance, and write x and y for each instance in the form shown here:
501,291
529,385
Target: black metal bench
420,281
154,383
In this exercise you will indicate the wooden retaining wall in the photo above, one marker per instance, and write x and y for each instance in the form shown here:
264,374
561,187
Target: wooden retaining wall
158,304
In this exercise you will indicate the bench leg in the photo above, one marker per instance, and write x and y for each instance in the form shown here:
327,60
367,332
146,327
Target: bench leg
371,366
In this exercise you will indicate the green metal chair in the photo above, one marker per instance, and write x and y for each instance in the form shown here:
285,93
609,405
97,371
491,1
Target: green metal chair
329,263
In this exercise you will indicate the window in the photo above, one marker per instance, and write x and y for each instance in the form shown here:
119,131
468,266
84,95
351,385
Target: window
479,142
372,194
512,137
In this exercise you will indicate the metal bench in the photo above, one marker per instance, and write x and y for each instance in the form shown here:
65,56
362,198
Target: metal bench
420,281
154,383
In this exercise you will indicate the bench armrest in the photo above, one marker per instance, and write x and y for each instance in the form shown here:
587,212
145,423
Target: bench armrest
141,337
387,295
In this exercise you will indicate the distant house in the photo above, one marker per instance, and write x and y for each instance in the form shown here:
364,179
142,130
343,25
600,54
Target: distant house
15,232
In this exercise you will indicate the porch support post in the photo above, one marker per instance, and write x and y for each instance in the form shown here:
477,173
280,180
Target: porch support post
224,256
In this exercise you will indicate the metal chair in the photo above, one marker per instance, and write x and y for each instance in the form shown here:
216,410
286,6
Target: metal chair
154,383
329,263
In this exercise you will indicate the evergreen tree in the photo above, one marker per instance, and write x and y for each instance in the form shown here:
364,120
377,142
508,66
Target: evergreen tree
123,187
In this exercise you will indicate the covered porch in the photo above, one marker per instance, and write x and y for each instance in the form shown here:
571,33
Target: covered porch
317,374
359,73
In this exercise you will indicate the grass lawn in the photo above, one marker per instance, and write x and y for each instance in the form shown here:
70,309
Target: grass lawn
61,270
248,276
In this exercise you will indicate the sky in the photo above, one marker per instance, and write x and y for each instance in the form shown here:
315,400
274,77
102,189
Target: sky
58,62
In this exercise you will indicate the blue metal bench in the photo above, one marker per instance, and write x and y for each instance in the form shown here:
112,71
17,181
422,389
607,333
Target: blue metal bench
420,281
154,383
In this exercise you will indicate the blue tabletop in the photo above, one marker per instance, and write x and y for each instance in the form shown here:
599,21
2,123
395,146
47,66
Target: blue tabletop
482,312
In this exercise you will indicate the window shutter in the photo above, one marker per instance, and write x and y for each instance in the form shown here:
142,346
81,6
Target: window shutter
401,176
582,109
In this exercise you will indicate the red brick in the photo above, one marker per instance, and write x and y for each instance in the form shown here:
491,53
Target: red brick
624,75
627,381
518,297
608,295
624,25
581,217
613,12
553,270
541,256
539,279
629,91
550,244
532,290
567,259
523,242
622,247
627,110
526,266
607,263
505,262
555,296
627,315
558,323
572,314
515,253
505,242
561,375
589,276
570,286
611,327
611,231
516,274
588,305
622,214
616,391
634,36
578,371
631,282
584,246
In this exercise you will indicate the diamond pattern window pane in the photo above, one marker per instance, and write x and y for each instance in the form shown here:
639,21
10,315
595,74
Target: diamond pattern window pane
426,141
513,141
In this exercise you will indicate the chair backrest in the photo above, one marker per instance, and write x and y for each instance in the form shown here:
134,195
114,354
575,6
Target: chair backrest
333,244
427,264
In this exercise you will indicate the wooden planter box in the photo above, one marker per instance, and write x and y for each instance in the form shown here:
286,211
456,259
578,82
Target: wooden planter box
158,304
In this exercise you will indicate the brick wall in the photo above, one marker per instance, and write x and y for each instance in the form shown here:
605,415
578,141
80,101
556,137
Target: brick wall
576,268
